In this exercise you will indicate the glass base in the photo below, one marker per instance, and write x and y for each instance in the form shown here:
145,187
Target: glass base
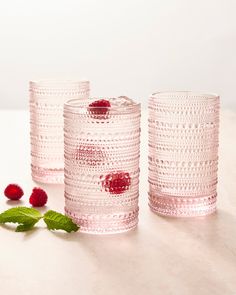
43,175
105,224
183,206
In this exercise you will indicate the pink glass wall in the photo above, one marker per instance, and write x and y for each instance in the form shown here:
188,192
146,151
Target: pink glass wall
46,126
102,166
183,153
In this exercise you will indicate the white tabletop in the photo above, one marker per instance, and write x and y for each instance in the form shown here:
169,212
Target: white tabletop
162,256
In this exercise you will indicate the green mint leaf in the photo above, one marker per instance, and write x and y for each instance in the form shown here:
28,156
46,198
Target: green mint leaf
25,227
25,217
55,220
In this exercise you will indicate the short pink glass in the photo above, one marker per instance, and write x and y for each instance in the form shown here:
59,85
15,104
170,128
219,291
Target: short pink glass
46,121
183,153
102,164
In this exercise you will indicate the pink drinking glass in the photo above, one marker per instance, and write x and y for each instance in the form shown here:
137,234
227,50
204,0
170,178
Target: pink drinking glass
183,153
102,165
46,126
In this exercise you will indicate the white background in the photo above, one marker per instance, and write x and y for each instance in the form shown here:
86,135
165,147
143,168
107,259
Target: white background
124,47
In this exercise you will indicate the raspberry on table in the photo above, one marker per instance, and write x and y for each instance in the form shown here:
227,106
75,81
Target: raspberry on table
99,107
38,197
13,192
117,183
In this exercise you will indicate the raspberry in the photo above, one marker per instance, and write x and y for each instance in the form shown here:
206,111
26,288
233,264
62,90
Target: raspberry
117,183
13,192
38,197
99,107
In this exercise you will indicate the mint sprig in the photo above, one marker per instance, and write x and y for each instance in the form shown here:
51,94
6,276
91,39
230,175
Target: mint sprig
55,220
25,227
26,218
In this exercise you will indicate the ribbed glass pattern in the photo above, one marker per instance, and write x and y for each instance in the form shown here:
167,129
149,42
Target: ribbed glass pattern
102,165
46,121
183,153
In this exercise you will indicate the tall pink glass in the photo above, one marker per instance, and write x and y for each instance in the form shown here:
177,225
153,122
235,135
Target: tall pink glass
183,153
46,121
102,164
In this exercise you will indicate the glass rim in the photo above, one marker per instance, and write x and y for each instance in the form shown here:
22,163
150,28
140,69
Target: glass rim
51,82
71,104
201,95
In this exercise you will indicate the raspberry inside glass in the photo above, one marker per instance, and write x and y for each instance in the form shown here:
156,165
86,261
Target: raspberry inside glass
117,183
100,107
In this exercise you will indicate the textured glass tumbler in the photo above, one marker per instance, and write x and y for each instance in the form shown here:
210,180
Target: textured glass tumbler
183,153
46,126
102,165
